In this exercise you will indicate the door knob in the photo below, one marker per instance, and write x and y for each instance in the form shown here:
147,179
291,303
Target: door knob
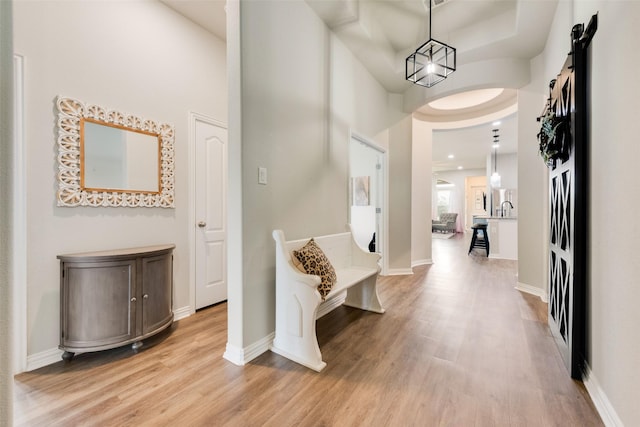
202,224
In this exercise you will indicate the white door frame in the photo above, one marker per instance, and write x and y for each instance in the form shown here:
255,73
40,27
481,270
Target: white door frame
19,226
384,223
193,118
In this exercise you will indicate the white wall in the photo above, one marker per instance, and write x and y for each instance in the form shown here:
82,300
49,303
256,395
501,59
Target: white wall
422,139
400,184
614,269
613,343
137,57
6,181
235,275
533,234
302,92
507,168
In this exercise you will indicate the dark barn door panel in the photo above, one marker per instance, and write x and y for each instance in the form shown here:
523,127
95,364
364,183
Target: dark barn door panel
564,146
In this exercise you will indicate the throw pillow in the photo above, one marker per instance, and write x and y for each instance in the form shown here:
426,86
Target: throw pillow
316,262
298,264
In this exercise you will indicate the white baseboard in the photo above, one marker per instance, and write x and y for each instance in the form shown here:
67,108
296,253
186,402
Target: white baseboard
53,355
426,261
533,290
498,256
242,356
182,312
44,358
399,272
234,355
601,402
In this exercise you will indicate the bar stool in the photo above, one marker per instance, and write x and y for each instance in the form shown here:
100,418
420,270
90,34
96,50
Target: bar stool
477,241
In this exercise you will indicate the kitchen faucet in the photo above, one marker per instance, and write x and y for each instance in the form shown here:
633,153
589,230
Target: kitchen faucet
502,206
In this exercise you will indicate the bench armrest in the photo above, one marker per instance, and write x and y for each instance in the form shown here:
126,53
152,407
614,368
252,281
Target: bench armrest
296,275
284,265
362,258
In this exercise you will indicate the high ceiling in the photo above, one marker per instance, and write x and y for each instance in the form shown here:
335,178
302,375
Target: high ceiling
470,146
382,33
209,14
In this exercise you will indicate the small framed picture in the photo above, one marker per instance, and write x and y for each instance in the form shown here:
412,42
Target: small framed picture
360,191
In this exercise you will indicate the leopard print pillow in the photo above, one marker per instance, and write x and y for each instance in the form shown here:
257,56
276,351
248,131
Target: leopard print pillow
316,262
298,264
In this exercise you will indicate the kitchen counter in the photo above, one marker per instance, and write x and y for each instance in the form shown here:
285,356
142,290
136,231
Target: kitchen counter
503,237
497,217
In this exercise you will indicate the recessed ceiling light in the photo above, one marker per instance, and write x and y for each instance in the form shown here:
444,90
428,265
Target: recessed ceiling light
450,156
459,167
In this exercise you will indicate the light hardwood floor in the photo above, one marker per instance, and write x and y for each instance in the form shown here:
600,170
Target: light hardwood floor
458,346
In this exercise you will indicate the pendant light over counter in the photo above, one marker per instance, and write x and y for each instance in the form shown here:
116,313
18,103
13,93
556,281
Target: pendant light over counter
495,178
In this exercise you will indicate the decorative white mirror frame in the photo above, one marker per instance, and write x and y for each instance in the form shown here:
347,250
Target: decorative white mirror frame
71,112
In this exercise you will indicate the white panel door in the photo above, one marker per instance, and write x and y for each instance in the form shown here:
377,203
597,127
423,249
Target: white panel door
210,207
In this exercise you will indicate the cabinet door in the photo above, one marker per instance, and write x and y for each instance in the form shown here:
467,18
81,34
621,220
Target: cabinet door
97,308
157,279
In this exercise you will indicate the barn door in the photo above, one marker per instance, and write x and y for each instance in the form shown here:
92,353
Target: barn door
568,160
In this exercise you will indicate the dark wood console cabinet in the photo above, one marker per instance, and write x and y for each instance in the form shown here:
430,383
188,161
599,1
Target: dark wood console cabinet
112,298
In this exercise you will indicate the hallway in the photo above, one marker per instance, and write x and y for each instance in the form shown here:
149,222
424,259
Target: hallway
458,346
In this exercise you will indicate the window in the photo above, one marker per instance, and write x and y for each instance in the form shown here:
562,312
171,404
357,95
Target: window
444,205
443,194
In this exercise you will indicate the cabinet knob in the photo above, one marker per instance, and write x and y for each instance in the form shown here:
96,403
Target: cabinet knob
202,224
133,299
145,296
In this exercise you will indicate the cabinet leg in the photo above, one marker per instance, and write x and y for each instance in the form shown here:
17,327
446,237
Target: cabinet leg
67,356
136,346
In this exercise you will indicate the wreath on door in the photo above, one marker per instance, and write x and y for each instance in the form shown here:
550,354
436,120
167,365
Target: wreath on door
554,137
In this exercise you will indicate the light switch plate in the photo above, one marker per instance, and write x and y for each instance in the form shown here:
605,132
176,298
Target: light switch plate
262,176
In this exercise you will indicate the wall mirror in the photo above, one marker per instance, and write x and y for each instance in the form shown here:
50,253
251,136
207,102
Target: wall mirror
108,158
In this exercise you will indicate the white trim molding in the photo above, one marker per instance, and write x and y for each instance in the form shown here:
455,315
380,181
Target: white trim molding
182,312
604,407
398,272
234,354
242,356
19,227
418,262
44,358
533,290
54,355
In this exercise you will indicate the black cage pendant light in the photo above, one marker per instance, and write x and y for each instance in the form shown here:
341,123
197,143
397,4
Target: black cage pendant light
432,62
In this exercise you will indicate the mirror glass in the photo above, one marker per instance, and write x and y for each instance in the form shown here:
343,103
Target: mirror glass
114,158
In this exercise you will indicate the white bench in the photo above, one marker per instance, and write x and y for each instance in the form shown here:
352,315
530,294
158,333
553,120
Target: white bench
299,304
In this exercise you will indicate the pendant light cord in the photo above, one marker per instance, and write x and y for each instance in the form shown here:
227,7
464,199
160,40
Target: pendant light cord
430,19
